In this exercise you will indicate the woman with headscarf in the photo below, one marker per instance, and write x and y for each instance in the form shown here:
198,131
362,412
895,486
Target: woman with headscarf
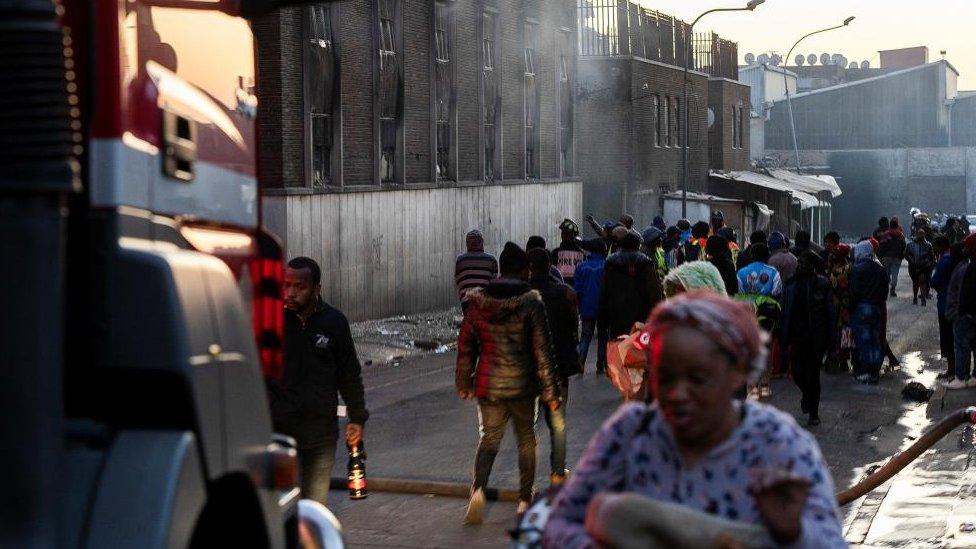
868,286
697,275
838,273
721,464
718,254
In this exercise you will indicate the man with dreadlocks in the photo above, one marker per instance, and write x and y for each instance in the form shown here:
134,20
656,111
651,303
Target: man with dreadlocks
725,466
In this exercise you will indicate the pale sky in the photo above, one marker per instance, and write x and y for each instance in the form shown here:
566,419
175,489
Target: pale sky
880,25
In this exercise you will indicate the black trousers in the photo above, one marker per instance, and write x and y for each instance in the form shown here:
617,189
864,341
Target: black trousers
806,359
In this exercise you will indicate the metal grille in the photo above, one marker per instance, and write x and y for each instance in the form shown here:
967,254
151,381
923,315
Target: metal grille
620,27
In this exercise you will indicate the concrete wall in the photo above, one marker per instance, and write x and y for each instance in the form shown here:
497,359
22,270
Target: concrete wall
385,253
889,182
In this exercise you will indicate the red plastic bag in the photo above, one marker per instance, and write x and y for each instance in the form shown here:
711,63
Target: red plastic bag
626,362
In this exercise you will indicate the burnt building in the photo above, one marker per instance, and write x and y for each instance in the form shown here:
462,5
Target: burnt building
630,107
389,128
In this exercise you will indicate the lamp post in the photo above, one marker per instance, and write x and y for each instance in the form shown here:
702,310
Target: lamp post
786,86
753,4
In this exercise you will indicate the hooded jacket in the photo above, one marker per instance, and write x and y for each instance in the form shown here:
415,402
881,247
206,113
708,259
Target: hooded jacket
868,282
631,289
504,347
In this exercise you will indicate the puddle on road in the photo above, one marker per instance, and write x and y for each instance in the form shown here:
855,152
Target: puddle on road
914,420
921,503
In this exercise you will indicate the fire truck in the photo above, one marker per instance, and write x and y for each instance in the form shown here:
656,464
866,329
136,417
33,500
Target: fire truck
143,297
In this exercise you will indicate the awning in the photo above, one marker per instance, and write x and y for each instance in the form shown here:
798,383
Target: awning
805,199
812,184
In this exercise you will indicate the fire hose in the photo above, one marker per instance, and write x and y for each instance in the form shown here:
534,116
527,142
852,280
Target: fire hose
877,478
901,460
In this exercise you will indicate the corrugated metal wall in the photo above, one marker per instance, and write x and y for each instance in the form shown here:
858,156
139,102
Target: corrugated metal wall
385,253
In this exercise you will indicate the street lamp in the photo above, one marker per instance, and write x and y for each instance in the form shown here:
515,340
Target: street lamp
753,4
786,86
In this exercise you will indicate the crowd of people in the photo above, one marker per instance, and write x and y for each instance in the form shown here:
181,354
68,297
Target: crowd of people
809,307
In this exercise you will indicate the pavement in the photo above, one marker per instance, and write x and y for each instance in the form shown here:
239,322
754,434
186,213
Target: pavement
420,430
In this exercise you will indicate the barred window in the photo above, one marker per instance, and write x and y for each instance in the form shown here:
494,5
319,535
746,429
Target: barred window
492,100
531,91
656,113
444,91
390,90
321,92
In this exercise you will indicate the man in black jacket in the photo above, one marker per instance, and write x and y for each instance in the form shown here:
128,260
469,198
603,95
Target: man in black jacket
562,310
631,288
320,361
806,330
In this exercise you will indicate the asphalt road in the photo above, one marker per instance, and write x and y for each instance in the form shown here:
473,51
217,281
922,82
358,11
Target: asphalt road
420,430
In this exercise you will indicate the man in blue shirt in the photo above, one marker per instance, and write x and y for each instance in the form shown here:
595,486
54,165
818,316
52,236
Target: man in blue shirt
588,283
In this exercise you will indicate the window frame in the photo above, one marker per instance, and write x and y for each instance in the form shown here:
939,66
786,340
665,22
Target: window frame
443,41
382,28
335,179
531,125
490,52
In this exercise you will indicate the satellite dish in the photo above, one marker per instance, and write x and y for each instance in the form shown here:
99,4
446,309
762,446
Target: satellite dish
776,59
799,59
824,58
763,59
865,64
853,65
750,58
812,59
837,59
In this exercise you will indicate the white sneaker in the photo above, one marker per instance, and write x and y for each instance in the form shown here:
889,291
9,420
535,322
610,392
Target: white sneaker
971,382
522,507
956,383
476,508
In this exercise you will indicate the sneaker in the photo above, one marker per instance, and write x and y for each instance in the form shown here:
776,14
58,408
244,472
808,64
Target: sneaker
866,379
476,508
522,507
971,382
813,421
956,383
914,301
923,302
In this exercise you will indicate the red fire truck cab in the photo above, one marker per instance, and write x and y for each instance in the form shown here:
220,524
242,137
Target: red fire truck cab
143,297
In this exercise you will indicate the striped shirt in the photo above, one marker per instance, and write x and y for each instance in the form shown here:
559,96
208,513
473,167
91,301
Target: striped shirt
474,270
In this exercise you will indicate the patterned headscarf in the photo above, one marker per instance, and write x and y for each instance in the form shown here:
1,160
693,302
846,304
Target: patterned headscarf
694,275
729,323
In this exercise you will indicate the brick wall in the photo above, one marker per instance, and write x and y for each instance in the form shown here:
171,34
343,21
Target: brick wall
617,158
723,95
281,92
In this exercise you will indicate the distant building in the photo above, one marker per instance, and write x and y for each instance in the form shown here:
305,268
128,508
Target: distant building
906,108
767,84
630,108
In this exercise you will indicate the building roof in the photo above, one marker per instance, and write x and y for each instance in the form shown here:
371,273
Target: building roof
809,183
768,67
872,79
805,199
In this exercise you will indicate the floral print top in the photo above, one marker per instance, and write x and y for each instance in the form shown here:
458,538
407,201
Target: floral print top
635,451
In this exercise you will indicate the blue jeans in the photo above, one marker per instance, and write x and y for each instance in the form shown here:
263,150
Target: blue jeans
866,328
586,336
316,470
893,266
964,333
556,421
